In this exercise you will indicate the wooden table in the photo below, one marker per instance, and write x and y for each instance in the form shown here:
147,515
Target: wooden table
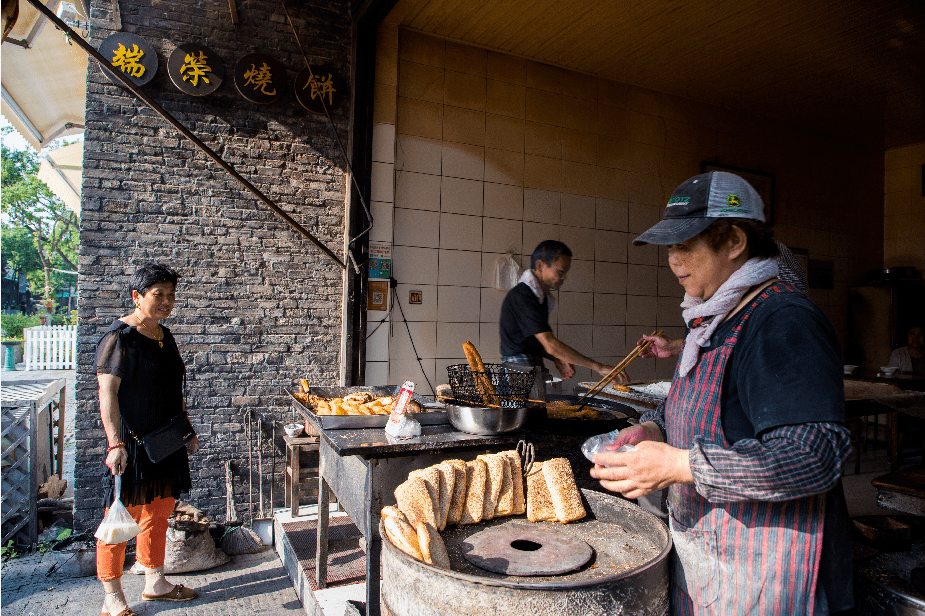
362,467
866,397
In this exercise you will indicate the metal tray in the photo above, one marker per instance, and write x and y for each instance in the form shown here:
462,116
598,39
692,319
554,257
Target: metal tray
433,416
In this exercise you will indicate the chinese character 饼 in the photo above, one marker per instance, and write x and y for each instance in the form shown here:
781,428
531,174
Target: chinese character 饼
129,61
322,87
195,67
259,78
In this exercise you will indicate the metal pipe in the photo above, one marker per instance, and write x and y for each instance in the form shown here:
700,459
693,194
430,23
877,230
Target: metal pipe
150,102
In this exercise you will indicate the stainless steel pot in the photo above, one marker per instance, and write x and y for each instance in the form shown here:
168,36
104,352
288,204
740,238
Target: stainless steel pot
485,420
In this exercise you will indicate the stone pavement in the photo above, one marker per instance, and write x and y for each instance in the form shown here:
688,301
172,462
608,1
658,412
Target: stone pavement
250,584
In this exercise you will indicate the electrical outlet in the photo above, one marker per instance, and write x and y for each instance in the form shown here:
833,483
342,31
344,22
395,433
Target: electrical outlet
415,297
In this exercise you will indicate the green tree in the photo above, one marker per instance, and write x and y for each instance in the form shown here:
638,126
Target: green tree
18,250
29,205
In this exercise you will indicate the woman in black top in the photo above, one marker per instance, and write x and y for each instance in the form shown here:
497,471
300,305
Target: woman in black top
140,374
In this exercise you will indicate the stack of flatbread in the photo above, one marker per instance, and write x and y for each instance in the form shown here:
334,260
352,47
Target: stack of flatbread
457,492
552,493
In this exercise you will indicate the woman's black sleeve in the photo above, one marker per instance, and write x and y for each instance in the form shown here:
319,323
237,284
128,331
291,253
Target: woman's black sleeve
110,355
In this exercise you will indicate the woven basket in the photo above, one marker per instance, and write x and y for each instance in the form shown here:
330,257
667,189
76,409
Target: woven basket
512,386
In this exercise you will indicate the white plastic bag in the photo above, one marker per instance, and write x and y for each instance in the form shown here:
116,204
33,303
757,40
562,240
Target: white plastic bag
407,427
399,424
118,526
507,273
601,443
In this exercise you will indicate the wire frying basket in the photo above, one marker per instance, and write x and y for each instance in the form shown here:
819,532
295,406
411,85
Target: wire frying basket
512,386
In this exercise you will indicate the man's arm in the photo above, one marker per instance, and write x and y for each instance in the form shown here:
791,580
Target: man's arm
558,350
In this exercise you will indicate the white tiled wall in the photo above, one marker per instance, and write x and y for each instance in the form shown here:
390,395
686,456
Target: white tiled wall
478,154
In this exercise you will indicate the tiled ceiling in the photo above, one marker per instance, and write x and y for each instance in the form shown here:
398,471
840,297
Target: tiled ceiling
851,69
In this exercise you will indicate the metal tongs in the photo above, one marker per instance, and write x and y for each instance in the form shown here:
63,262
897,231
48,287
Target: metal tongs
604,382
527,455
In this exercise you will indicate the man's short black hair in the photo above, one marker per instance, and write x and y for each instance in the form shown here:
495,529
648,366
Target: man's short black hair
149,275
549,251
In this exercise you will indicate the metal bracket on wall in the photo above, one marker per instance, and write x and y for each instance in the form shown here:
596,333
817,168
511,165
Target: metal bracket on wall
150,102
234,11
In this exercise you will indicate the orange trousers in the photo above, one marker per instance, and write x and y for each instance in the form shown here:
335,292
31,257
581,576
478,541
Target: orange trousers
150,542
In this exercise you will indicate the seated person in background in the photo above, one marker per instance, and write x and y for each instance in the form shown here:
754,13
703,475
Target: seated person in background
526,336
910,359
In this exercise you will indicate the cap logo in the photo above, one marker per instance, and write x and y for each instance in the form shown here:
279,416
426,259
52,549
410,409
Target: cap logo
733,201
678,201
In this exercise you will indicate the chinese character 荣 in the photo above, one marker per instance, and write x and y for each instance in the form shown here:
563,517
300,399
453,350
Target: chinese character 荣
195,67
129,61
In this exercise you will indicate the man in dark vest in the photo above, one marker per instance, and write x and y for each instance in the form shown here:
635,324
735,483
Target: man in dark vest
526,337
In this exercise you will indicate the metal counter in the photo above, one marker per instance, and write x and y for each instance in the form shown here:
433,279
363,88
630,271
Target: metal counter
363,467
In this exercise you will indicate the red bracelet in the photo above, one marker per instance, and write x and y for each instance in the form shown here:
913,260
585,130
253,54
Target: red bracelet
116,446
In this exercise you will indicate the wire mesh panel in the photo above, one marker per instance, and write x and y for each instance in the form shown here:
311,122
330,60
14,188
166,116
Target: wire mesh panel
512,386
18,477
31,409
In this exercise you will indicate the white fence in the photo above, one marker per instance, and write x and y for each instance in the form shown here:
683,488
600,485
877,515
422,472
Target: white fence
50,347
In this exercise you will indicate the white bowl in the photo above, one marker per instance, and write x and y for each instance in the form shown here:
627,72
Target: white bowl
889,370
849,369
293,429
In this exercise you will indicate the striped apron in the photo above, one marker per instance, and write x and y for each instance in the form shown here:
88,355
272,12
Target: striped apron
751,557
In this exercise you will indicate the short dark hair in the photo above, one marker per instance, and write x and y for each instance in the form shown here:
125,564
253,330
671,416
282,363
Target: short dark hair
760,237
149,275
549,251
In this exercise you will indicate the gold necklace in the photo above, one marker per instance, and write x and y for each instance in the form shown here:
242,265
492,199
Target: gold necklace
160,341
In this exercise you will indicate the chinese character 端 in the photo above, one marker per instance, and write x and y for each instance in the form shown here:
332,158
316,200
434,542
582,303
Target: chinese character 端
195,67
322,87
260,78
129,61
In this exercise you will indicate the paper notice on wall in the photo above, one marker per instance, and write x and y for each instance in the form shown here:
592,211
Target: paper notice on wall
380,260
378,297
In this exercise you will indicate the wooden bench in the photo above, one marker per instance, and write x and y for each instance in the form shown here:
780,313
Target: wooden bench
294,447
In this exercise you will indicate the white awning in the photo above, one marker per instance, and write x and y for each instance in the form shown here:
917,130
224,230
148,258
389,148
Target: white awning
61,170
44,78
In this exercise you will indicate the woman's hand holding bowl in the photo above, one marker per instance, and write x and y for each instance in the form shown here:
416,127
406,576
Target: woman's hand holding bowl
652,466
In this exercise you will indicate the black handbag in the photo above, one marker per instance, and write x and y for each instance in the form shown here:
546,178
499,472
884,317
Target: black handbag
166,439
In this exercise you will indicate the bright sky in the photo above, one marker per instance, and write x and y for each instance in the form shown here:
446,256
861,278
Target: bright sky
14,140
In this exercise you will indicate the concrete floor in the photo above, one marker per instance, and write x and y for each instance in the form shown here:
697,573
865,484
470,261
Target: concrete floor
859,493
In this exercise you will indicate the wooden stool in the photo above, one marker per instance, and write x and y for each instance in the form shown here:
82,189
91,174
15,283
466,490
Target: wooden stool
294,447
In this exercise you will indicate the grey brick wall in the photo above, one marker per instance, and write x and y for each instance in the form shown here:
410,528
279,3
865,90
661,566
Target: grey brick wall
258,306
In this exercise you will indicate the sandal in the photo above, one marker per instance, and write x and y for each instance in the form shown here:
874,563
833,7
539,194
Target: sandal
179,593
126,612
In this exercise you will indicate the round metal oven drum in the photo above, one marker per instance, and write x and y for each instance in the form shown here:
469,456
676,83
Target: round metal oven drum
618,530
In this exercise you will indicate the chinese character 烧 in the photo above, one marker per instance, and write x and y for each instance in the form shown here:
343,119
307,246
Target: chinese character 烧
322,87
129,61
195,67
259,78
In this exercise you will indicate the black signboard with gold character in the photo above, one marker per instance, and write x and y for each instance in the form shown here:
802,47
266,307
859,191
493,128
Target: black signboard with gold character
195,69
132,55
327,84
259,78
